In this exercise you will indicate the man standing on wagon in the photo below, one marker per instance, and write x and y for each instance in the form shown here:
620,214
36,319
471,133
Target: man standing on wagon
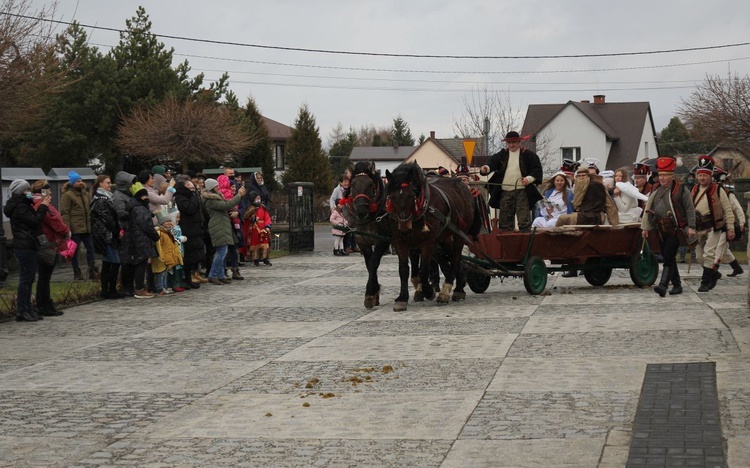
512,187
669,209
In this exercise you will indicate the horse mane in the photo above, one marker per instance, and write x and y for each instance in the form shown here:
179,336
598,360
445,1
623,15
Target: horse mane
364,167
406,173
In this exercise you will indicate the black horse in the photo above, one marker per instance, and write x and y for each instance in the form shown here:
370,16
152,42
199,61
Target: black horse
424,215
366,215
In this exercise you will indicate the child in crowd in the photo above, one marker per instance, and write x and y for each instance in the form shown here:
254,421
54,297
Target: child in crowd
169,255
337,219
176,278
260,230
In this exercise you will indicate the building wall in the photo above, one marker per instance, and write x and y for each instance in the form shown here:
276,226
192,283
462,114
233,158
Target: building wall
430,156
647,141
572,129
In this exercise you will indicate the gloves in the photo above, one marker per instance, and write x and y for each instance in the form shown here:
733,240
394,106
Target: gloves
183,239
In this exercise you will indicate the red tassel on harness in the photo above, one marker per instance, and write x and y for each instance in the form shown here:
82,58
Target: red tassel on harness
389,205
373,207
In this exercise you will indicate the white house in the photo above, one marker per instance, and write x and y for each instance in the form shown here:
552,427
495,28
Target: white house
616,134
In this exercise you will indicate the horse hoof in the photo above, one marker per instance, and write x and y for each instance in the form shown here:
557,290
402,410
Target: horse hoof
443,298
459,296
429,295
371,301
399,306
418,296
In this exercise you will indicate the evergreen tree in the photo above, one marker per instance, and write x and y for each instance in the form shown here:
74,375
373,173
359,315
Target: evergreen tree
401,133
307,161
259,154
340,152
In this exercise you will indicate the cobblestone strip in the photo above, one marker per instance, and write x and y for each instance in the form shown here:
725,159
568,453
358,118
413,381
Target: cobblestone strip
677,421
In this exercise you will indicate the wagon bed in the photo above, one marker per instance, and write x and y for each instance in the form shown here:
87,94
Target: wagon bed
595,250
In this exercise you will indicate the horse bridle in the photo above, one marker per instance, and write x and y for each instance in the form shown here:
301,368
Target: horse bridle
374,206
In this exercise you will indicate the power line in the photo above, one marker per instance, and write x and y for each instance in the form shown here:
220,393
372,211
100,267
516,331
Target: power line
383,54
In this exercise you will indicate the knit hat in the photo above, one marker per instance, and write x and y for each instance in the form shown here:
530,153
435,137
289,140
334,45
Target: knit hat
705,165
143,176
158,170
211,184
162,216
18,186
73,177
158,180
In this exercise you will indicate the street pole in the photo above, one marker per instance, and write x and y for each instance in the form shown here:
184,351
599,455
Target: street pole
486,136
3,241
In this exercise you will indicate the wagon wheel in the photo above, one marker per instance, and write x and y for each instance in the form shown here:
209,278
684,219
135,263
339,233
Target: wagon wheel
477,281
535,275
643,269
598,275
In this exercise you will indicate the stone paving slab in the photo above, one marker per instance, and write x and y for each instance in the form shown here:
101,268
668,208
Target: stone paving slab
634,321
48,328
109,376
374,376
36,349
423,415
248,314
575,374
624,343
599,298
230,329
272,452
399,347
550,415
278,300
455,326
524,453
47,451
470,311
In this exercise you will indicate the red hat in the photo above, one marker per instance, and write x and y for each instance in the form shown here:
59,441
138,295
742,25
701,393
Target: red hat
514,136
569,166
705,165
641,169
666,165
462,169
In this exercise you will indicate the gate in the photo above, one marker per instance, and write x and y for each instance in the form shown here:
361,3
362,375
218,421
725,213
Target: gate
301,216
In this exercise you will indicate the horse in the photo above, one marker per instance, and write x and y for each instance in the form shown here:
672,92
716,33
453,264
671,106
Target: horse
365,213
425,214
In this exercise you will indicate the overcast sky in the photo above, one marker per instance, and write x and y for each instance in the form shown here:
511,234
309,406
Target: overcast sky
429,92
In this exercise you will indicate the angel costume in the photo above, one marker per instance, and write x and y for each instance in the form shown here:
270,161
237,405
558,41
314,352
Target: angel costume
627,203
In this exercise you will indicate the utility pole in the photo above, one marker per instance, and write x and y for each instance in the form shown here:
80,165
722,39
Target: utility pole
486,136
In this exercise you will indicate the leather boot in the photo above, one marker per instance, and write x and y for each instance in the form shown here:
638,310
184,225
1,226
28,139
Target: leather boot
676,284
736,268
112,286
26,317
236,274
715,275
666,275
77,275
93,272
708,274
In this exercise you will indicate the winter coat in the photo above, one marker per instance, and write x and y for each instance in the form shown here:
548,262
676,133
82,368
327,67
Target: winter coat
259,225
25,221
105,227
156,201
121,196
76,211
262,190
337,219
191,224
219,224
53,226
168,249
138,244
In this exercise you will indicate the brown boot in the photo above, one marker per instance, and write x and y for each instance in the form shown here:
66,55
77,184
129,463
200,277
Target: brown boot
236,274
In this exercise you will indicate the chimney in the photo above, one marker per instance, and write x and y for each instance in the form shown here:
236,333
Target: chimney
585,101
432,134
598,99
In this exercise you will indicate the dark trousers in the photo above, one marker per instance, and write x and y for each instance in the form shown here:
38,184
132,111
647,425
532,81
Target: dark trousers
128,277
514,203
43,297
670,244
27,266
139,275
88,241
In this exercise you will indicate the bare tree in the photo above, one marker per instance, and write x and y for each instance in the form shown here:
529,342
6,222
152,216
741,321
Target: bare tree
185,132
720,108
488,103
30,71
548,156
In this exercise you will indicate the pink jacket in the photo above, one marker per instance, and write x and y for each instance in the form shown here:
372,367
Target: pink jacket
337,219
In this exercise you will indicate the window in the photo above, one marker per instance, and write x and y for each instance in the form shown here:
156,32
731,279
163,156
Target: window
574,154
727,164
280,157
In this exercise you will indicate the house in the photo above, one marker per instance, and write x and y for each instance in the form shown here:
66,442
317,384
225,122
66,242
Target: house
732,160
384,157
446,152
280,135
617,134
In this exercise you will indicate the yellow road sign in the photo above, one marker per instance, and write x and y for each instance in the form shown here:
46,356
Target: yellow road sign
469,149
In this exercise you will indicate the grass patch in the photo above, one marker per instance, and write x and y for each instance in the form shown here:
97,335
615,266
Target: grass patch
64,294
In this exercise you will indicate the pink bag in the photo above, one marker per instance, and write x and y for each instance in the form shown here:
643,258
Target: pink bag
68,249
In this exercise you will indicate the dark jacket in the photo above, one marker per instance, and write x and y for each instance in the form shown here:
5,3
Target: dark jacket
530,166
25,221
191,224
105,227
594,204
53,226
121,196
262,190
140,234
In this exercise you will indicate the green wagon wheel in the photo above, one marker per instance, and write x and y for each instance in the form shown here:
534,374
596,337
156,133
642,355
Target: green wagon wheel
535,275
643,268
477,281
